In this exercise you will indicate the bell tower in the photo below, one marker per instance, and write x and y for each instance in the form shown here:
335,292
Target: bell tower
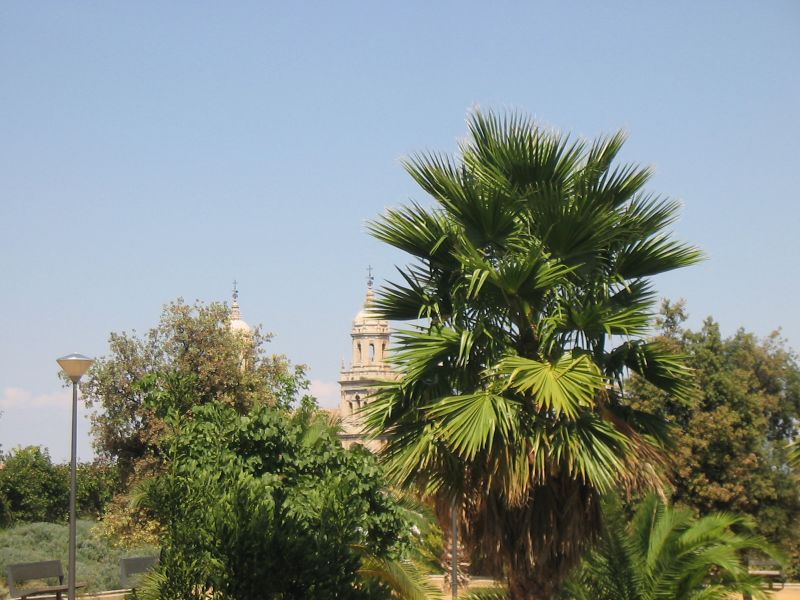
370,337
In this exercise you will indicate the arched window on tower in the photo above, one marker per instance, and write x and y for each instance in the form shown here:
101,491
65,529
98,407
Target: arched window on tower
358,402
358,352
372,353
383,351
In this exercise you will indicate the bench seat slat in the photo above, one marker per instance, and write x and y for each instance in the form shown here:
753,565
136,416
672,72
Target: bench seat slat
50,589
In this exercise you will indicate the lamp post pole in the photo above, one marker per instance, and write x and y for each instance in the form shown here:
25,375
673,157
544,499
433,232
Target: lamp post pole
454,551
73,473
74,366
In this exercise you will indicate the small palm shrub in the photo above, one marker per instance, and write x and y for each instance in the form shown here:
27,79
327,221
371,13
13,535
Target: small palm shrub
667,553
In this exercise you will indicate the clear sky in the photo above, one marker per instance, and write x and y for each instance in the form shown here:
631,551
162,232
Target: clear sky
151,150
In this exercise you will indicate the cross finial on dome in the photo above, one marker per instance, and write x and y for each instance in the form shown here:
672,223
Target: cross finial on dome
236,314
370,278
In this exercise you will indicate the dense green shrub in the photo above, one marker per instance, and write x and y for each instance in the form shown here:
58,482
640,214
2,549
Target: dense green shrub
97,563
32,488
96,483
218,364
269,505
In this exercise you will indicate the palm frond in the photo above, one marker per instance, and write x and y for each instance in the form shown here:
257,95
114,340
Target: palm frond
656,364
410,301
563,387
655,255
403,577
486,593
471,423
665,553
413,229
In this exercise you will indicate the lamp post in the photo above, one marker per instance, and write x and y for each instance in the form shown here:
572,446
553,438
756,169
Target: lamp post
74,366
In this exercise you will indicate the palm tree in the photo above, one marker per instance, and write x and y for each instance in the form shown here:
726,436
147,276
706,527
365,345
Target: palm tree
528,300
668,554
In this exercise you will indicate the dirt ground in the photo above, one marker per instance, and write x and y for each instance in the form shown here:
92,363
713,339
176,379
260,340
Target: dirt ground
789,593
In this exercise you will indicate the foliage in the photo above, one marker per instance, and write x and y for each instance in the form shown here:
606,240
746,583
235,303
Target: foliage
731,431
97,563
31,487
220,365
427,543
96,483
485,593
665,553
268,505
194,340
531,283
794,453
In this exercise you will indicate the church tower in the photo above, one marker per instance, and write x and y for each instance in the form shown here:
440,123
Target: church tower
370,335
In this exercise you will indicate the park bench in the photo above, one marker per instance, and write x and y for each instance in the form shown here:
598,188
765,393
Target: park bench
771,575
37,571
132,566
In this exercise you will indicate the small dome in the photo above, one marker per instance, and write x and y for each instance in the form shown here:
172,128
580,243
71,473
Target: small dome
242,326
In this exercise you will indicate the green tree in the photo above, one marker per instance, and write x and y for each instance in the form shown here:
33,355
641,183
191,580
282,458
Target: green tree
531,283
666,553
731,430
96,484
32,488
270,505
223,366
194,340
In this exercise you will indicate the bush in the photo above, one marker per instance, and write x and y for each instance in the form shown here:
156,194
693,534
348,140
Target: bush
32,488
96,483
269,505
97,563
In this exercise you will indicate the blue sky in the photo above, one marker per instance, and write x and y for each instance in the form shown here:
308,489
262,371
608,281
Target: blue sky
153,150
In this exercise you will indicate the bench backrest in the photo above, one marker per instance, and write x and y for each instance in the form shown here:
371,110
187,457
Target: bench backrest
133,565
19,572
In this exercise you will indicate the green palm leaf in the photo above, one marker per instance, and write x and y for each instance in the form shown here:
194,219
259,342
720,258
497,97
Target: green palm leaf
665,553
655,255
563,386
403,577
470,423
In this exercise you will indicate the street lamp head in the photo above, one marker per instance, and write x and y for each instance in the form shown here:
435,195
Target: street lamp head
75,365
